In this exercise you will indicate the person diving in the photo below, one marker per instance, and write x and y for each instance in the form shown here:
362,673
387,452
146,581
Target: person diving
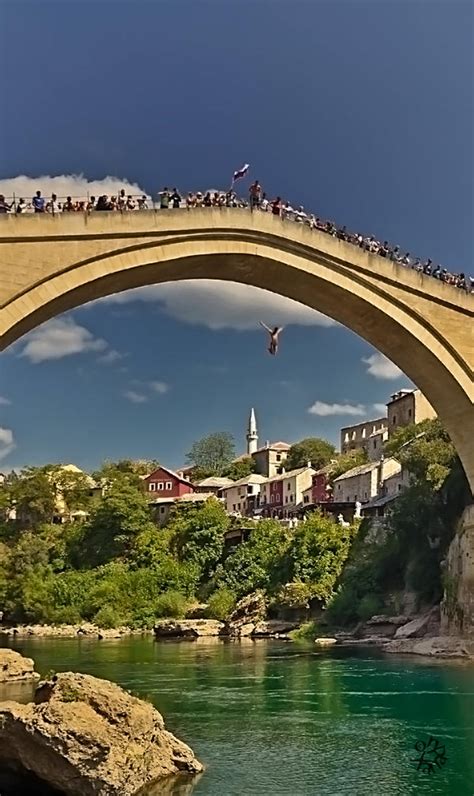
274,337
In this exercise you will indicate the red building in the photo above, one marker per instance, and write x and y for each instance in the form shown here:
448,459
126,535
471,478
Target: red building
166,483
321,492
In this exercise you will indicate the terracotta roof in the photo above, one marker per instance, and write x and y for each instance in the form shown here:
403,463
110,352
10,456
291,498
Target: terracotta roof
361,469
171,472
274,446
215,481
253,478
291,474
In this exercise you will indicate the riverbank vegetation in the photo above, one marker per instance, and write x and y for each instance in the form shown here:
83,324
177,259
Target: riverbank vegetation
119,568
116,567
402,558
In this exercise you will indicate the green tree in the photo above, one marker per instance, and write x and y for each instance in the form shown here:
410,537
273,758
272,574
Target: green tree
425,450
318,551
212,454
34,494
240,468
72,489
115,523
258,563
198,535
313,449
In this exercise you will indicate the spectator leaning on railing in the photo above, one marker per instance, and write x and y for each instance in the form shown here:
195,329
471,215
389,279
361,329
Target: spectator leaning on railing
172,200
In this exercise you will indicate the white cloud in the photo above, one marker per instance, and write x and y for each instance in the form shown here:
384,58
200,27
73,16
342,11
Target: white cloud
59,338
325,410
7,442
135,397
381,368
4,401
381,408
110,356
76,185
223,305
159,387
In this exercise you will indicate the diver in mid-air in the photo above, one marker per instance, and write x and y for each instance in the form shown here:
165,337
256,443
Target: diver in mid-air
274,335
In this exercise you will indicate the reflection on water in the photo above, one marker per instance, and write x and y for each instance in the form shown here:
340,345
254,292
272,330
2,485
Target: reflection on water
279,719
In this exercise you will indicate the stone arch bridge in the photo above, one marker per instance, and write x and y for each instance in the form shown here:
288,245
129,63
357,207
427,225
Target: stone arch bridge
50,264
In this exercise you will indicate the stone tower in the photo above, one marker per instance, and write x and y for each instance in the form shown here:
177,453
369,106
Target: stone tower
252,436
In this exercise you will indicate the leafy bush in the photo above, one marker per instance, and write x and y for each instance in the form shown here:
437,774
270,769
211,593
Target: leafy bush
369,605
172,605
306,632
66,615
220,604
108,617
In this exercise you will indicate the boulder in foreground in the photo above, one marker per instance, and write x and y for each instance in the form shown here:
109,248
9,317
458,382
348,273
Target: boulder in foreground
85,736
14,667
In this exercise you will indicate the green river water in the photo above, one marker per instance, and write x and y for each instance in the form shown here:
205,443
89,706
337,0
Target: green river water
278,719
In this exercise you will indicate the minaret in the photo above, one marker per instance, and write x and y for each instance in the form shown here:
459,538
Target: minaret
252,436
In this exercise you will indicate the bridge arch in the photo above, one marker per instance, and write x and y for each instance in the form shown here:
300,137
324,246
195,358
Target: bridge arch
53,264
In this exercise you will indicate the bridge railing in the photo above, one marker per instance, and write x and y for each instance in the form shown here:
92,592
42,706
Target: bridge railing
127,203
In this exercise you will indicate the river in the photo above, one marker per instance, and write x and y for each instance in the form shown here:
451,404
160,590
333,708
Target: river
272,718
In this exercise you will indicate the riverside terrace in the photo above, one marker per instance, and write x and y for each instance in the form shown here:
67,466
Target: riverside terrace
173,200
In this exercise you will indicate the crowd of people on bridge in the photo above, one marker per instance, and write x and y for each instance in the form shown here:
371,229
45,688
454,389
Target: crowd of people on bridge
172,199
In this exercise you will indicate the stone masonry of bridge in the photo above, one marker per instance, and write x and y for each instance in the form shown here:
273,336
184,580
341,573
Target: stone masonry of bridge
51,264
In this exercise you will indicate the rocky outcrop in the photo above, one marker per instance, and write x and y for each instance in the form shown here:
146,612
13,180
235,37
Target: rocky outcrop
248,613
434,646
14,667
273,628
425,625
188,628
85,736
67,631
380,626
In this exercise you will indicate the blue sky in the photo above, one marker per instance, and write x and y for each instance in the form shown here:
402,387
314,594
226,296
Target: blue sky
359,110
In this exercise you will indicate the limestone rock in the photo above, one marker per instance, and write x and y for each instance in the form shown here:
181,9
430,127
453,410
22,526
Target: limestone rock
272,628
325,642
420,626
188,628
248,612
380,625
14,667
86,736
435,646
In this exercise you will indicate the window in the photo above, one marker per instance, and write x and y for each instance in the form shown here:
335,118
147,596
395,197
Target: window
152,487
286,499
409,413
353,435
305,498
160,485
339,486
233,507
355,498
363,433
346,437
399,487
291,498
278,457
365,495
169,485
375,443
288,486
271,498
238,506
162,509
394,419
